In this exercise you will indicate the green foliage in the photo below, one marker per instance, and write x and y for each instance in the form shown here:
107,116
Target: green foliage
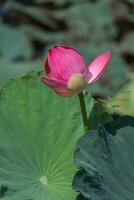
35,13
38,131
127,44
99,115
3,190
16,54
106,162
14,44
10,69
123,101
82,21
58,2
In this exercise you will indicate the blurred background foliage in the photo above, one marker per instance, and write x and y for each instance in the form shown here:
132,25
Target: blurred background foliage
29,27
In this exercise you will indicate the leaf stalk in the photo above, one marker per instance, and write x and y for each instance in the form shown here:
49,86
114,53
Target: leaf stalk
84,112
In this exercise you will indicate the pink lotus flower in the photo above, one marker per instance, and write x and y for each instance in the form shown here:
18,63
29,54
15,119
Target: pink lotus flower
67,72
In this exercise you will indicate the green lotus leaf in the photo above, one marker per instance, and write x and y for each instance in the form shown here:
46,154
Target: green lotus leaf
105,157
38,132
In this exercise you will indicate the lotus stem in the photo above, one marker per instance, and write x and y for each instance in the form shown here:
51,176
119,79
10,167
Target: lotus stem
84,112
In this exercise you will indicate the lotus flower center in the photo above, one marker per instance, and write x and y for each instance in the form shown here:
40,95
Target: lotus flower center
76,82
43,180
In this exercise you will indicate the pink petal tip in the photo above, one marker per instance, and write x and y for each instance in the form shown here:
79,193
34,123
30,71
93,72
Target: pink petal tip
98,65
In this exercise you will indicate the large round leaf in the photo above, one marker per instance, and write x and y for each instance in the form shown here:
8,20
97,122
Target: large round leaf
106,157
38,130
